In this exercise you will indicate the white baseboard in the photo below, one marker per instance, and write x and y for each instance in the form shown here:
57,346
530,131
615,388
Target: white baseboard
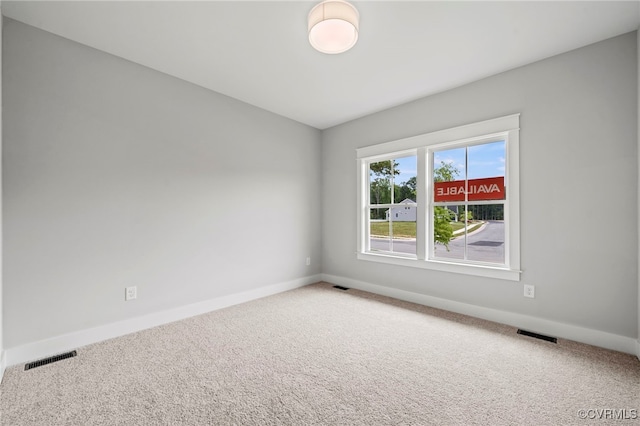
638,347
3,364
538,325
67,342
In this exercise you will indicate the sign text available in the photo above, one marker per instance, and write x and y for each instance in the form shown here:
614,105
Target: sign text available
478,189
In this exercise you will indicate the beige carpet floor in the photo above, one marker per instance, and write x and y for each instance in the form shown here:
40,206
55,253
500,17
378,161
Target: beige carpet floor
321,356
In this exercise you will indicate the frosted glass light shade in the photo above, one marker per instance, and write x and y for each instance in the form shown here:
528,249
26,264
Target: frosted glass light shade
333,26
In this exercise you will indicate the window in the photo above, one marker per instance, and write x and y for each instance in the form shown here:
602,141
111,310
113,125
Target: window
467,202
392,205
446,200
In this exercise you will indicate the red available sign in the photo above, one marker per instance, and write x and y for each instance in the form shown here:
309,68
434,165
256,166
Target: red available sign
479,189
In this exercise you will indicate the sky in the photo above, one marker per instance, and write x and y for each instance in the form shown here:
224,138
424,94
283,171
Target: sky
486,160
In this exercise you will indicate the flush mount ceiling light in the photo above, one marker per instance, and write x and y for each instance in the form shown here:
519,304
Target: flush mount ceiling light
333,26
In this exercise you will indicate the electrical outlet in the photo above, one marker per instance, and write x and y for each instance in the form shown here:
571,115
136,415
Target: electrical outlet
130,293
529,291
308,261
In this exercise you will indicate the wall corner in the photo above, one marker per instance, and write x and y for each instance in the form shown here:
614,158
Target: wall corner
638,185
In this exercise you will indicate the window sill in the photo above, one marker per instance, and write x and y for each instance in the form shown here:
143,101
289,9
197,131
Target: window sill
458,268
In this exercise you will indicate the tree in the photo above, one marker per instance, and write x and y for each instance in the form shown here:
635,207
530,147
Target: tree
380,175
464,214
411,183
445,172
442,229
488,212
380,191
406,190
384,168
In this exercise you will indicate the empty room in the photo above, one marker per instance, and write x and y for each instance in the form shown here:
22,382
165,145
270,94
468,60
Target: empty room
319,212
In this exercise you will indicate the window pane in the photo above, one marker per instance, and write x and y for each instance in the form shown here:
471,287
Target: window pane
405,169
380,182
485,165
483,234
397,236
448,234
449,174
404,236
485,240
379,230
486,160
487,212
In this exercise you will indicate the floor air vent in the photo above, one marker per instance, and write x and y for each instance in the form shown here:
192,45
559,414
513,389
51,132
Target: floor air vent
49,360
538,336
339,287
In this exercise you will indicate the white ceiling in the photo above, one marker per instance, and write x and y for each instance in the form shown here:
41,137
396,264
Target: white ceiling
258,52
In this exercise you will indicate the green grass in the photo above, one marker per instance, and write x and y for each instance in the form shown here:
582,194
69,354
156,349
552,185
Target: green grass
408,229
457,226
474,227
400,229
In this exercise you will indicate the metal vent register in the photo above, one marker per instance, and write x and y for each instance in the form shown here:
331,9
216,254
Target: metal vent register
538,336
339,287
49,360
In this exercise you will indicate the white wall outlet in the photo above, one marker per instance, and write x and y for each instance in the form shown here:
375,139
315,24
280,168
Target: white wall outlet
130,293
308,261
529,291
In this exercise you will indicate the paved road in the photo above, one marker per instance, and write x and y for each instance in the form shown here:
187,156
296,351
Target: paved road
486,245
399,246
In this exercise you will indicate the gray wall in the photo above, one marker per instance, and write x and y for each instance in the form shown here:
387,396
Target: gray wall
578,169
116,175
1,239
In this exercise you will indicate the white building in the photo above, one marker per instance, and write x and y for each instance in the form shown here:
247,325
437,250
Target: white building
404,213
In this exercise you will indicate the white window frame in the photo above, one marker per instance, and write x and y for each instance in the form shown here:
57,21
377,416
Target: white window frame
504,128
390,206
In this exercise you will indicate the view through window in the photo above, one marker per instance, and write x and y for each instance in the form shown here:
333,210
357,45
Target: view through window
468,203
393,207
446,200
